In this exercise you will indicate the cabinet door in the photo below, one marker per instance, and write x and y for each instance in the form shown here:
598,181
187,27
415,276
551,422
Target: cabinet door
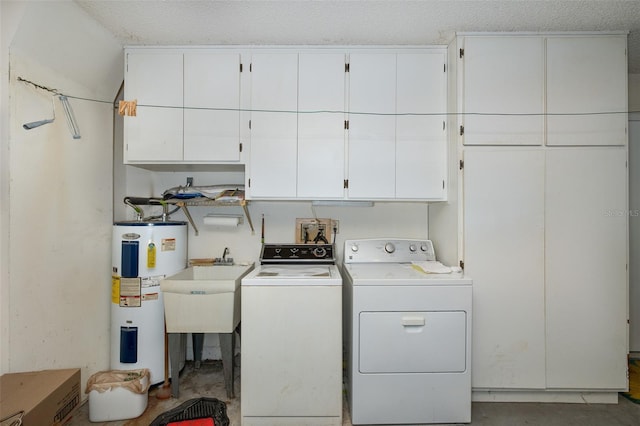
586,278
503,253
587,79
274,104
155,133
212,107
421,156
321,149
503,90
372,105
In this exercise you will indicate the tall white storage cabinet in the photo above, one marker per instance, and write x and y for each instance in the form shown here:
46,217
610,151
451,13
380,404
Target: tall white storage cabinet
634,232
544,213
504,249
586,268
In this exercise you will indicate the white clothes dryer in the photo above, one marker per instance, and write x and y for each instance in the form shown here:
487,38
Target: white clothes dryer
408,334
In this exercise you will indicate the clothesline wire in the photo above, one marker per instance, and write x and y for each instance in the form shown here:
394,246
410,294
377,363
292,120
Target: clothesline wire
396,114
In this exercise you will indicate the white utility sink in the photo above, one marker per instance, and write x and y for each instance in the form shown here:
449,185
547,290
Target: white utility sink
204,299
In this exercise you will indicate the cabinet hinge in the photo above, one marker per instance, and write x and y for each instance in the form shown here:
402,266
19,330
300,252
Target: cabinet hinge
249,182
444,126
461,130
250,67
346,183
249,124
445,68
461,53
461,164
461,264
346,124
240,146
346,67
443,184
241,67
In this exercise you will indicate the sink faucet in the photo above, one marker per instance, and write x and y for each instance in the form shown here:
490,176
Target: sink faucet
225,253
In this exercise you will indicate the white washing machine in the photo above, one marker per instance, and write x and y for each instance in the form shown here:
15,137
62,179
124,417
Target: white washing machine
291,353
408,334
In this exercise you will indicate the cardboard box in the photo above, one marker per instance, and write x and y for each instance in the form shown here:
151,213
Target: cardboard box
47,397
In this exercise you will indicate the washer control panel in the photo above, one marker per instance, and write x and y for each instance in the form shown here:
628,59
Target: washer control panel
297,253
389,250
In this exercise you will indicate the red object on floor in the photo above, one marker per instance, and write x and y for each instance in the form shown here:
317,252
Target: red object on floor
197,422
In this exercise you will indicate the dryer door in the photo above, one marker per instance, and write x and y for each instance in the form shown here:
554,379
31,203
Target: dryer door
413,342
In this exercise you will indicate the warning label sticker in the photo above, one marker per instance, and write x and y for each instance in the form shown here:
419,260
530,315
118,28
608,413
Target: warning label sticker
130,292
150,296
168,244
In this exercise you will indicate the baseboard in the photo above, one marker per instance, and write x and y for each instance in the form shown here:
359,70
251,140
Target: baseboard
571,397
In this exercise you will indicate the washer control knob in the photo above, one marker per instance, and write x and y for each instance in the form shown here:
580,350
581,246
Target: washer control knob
389,248
319,252
424,247
412,248
354,248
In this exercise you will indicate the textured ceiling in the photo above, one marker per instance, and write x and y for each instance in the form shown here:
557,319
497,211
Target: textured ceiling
353,22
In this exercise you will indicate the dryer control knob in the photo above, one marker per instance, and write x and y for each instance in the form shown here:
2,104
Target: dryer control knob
413,248
389,248
354,248
424,247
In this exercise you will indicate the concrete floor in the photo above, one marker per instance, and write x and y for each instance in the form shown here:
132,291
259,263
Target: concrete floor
208,381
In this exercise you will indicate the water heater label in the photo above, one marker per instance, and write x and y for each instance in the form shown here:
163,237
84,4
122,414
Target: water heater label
130,292
168,244
130,236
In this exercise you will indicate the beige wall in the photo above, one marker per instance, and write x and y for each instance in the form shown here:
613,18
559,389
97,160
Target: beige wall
56,190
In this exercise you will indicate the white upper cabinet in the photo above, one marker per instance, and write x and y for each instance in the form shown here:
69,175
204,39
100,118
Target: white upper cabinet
397,134
188,107
319,123
154,79
421,149
372,125
534,89
212,106
587,81
503,90
274,104
321,133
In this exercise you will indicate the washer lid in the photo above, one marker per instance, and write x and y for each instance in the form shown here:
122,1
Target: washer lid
307,271
294,275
